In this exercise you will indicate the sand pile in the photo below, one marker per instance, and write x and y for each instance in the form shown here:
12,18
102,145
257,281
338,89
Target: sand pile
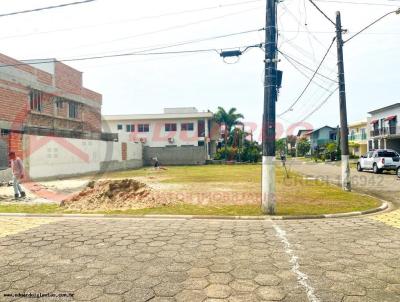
115,194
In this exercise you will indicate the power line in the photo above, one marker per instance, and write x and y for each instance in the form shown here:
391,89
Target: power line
289,59
369,25
181,12
309,82
304,74
46,8
356,3
48,61
187,42
321,11
166,29
320,105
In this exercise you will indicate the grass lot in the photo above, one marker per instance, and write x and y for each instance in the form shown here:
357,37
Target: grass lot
295,195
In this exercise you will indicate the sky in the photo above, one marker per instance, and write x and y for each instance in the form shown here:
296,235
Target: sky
147,84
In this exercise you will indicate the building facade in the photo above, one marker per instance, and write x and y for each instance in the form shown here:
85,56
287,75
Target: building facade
44,99
383,128
179,128
322,136
358,138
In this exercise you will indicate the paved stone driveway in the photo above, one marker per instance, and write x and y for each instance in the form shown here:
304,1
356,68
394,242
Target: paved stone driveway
202,260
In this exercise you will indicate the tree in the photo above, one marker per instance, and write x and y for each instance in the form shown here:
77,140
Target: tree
303,147
228,119
281,145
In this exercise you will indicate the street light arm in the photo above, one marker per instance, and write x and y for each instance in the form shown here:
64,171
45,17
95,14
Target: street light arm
397,12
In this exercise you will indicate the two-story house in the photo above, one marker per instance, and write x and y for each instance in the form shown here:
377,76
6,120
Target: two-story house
322,136
358,139
44,98
176,127
384,129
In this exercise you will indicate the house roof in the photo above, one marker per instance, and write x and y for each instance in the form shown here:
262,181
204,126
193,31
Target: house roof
300,132
395,105
312,131
160,116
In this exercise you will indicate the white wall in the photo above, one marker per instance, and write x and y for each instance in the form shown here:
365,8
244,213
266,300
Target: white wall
55,156
157,136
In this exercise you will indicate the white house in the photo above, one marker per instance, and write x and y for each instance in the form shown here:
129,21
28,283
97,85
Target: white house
175,127
384,132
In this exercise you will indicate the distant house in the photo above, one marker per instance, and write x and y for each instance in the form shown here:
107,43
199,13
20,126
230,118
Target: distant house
322,136
384,132
177,136
358,138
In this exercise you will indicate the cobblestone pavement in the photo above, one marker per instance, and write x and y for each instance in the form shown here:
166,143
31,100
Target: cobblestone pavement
354,259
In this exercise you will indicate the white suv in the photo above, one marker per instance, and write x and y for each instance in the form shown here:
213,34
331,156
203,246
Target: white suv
379,160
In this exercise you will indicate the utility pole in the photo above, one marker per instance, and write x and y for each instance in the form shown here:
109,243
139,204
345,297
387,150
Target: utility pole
268,203
344,131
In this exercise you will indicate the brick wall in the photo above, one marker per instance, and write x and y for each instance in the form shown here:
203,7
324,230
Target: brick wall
14,98
14,107
68,79
15,144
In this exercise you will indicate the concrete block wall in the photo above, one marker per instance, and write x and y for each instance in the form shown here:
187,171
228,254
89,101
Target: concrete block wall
47,157
175,156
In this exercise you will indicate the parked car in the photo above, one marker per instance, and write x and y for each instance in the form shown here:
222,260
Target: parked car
379,160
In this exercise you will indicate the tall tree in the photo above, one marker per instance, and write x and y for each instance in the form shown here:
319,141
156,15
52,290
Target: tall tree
228,119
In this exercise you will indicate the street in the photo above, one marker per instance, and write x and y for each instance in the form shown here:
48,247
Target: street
385,186
355,259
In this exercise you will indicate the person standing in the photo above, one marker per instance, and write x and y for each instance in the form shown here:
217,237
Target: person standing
17,168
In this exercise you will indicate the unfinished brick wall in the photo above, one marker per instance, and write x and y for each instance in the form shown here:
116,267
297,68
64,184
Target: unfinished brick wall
68,79
15,144
66,83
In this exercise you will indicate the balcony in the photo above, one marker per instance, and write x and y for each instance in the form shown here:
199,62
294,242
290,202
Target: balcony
385,131
358,137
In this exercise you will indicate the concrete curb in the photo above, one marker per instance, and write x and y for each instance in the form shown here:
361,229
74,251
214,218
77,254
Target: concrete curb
383,207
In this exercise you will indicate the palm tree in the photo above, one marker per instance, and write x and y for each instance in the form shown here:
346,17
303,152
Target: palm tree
228,119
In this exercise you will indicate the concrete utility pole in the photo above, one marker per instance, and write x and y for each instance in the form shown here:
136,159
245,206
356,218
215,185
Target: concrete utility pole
344,131
270,96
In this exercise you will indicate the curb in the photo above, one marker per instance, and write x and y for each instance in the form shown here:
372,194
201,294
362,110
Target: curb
383,207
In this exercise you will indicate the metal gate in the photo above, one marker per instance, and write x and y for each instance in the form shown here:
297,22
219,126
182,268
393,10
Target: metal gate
3,151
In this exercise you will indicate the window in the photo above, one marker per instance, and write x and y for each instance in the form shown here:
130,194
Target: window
387,154
201,143
73,110
170,127
143,127
58,104
119,127
36,100
187,127
130,128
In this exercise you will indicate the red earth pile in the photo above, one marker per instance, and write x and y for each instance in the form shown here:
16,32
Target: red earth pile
115,195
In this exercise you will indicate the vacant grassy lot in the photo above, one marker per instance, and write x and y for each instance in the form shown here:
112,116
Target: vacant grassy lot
231,190
296,195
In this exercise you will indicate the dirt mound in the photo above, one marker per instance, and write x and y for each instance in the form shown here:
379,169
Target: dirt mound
114,195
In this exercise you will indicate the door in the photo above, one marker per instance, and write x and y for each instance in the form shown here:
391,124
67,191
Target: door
3,152
368,161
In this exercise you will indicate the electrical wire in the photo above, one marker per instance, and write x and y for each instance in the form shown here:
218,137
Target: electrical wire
356,3
322,12
309,82
290,58
369,25
46,8
171,14
166,29
47,61
320,105
187,42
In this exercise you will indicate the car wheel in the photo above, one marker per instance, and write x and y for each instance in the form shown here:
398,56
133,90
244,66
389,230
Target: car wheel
359,169
376,169
398,172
